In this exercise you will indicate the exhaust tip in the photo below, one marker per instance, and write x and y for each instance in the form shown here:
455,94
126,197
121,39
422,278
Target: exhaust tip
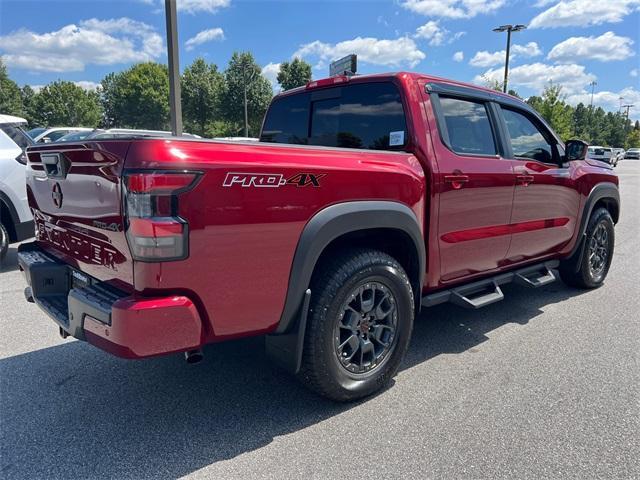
193,356
28,295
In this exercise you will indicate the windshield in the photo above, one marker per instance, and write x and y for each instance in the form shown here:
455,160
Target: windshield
82,135
34,132
18,135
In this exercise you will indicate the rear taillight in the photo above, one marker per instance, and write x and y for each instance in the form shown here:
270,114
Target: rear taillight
22,158
154,230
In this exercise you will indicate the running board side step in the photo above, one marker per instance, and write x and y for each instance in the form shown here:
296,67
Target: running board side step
487,291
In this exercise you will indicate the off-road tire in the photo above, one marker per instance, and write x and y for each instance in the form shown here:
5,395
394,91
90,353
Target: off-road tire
577,271
4,242
331,287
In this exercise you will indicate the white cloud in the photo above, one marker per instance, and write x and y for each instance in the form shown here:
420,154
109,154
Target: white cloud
608,100
582,13
93,41
487,59
431,31
536,76
195,6
634,72
204,36
531,49
436,34
270,72
84,84
458,56
490,59
605,48
87,85
389,53
452,8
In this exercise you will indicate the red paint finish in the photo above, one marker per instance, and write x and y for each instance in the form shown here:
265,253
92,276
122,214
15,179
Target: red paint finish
479,215
242,239
147,327
500,230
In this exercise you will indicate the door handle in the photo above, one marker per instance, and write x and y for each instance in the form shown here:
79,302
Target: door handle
456,181
524,179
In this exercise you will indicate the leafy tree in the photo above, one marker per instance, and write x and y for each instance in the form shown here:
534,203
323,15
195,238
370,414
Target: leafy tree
554,110
27,96
202,86
137,97
294,74
65,103
581,122
633,139
244,71
10,100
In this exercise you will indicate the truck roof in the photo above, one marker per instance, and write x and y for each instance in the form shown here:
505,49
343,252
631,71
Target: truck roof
403,76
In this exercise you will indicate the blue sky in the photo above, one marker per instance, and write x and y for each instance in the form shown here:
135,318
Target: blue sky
571,42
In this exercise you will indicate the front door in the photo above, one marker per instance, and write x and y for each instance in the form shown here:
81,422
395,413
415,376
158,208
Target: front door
546,202
475,186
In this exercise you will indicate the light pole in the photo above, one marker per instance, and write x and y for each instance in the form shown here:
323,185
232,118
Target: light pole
626,122
508,29
175,106
244,84
593,87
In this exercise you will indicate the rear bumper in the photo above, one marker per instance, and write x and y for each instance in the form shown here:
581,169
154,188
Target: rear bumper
121,324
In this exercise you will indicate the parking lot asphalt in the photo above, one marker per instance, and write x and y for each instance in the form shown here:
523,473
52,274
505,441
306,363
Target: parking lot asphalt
545,384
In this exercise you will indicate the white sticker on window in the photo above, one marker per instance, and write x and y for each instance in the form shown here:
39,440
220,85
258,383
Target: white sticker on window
396,138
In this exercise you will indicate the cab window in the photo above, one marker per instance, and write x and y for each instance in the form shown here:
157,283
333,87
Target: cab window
467,126
527,140
368,116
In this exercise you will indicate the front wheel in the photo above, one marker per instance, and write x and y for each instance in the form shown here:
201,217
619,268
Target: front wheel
590,269
359,325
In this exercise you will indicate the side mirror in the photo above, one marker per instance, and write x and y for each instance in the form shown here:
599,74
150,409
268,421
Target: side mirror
46,140
576,150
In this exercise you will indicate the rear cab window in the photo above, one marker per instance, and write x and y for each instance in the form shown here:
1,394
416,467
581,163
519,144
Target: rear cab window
467,128
365,116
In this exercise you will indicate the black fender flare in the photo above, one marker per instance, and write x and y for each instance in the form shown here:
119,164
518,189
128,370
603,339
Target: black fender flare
331,223
600,191
4,199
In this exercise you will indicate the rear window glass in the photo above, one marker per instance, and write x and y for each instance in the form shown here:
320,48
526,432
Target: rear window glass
368,116
468,127
17,135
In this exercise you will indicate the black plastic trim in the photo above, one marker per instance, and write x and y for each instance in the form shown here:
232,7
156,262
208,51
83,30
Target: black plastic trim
24,230
600,191
333,222
461,295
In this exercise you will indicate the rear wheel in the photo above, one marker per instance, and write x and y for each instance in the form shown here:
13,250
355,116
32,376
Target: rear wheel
4,242
359,325
590,268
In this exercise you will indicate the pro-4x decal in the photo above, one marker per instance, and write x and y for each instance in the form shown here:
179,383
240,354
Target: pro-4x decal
271,180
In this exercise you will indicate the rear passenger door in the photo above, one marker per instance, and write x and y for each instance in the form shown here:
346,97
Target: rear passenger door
475,186
546,200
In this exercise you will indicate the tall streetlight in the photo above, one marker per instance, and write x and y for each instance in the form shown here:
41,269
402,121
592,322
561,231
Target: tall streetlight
508,29
593,88
244,84
175,105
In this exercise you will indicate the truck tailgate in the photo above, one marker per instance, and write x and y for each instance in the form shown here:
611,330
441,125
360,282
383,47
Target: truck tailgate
75,193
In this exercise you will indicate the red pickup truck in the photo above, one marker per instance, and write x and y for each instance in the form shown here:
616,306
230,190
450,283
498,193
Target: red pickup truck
366,199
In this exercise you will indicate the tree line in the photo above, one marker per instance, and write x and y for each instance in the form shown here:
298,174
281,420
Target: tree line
213,102
592,124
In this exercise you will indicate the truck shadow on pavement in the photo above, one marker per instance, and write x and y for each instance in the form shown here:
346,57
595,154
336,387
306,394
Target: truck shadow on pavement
73,411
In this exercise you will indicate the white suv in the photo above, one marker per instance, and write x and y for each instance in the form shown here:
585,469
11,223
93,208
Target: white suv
16,220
